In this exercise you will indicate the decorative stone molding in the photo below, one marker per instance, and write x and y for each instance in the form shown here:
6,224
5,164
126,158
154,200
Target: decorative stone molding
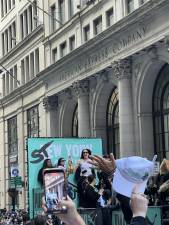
152,52
136,71
67,93
104,76
93,83
50,102
64,95
81,87
122,69
166,43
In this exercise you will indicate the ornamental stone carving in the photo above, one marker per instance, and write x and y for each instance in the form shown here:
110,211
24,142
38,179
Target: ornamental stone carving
136,71
50,102
81,87
122,69
104,76
166,43
64,95
67,93
152,52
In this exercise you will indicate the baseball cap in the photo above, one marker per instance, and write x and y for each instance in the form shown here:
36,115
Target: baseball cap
131,171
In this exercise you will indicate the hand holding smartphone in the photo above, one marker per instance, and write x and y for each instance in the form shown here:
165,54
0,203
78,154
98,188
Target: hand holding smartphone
55,189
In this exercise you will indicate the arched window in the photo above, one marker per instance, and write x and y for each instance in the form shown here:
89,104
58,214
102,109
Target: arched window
161,113
113,140
75,122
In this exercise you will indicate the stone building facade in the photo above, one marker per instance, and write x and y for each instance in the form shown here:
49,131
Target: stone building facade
91,68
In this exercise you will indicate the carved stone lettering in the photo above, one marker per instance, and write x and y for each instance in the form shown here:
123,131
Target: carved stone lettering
88,61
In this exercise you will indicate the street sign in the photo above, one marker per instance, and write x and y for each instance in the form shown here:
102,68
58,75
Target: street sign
156,168
16,182
12,182
14,171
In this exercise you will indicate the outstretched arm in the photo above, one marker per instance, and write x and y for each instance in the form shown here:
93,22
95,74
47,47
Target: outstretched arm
72,216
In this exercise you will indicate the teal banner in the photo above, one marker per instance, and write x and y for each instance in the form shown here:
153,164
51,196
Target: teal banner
41,148
153,216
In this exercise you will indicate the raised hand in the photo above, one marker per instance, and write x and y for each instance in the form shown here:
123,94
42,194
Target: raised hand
106,165
139,202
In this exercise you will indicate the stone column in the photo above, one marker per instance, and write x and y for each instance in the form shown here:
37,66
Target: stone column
81,89
50,104
122,71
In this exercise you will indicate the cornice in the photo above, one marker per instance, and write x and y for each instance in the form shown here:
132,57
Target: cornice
137,17
21,91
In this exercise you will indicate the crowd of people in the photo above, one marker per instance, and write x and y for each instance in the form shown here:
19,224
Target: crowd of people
97,187
19,217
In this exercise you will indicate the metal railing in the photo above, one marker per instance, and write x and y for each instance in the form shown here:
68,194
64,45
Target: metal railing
96,216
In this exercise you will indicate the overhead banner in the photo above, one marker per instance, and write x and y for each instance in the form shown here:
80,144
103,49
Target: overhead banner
40,149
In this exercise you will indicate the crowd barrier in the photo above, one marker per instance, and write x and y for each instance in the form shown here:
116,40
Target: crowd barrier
95,216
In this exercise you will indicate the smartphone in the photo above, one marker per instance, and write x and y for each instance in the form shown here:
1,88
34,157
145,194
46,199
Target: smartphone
55,188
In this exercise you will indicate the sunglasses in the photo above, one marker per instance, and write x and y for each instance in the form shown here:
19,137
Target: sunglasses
85,153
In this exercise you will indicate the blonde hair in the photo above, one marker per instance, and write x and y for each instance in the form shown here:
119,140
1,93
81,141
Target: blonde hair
164,167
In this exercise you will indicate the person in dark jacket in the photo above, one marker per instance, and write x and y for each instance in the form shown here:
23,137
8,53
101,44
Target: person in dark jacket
139,204
81,185
162,178
108,166
91,195
46,164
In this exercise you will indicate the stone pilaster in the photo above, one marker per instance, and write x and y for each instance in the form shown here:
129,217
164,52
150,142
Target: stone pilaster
50,103
81,89
122,71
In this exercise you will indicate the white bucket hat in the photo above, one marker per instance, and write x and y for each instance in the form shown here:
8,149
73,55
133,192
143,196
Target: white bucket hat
131,171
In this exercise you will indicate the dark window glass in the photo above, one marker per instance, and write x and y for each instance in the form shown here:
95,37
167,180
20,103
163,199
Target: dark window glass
63,49
86,31
72,43
62,10
53,18
12,135
130,5
161,114
33,122
75,123
97,25
113,140
109,17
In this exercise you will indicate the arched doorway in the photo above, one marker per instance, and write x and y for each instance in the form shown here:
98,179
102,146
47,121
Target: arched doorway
161,113
112,122
75,122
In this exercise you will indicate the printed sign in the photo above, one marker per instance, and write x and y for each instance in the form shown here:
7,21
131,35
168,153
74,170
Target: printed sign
40,149
156,168
14,172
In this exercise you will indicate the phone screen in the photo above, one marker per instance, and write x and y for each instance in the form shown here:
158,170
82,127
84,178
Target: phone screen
55,190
